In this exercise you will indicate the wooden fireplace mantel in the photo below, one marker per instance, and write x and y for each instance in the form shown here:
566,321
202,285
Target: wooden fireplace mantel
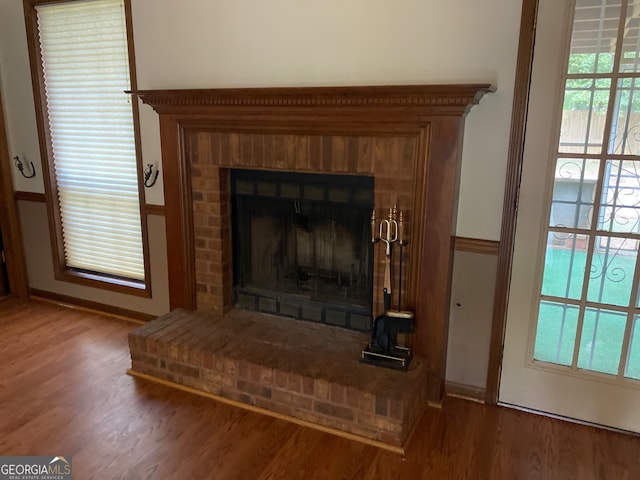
417,99
409,138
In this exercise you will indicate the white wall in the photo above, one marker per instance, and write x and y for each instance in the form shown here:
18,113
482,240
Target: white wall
470,319
17,94
216,43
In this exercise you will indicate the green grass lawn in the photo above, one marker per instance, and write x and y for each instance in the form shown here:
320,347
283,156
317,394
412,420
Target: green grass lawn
603,329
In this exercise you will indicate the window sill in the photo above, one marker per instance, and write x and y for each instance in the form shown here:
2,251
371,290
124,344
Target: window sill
126,286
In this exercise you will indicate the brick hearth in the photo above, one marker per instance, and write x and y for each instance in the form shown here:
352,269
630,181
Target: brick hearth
298,369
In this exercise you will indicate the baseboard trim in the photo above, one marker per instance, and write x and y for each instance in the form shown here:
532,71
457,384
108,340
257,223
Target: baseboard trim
150,209
153,209
280,416
477,245
466,392
29,196
133,316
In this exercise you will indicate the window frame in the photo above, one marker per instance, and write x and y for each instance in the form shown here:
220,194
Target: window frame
62,271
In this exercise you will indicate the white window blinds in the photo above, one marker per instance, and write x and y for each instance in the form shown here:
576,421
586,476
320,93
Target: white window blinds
86,71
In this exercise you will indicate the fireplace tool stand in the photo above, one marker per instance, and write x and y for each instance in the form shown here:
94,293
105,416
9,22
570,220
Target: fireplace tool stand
384,351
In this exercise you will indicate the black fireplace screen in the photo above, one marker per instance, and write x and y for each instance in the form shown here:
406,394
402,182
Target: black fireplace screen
302,245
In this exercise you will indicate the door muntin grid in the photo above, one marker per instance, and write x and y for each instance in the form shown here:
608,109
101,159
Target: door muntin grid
587,312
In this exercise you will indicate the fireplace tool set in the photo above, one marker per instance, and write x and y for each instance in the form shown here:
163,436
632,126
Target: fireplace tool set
384,350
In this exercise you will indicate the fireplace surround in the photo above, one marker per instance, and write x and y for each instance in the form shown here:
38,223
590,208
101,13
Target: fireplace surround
408,138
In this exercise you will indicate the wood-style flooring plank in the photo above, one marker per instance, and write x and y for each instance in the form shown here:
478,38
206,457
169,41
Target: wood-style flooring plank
64,391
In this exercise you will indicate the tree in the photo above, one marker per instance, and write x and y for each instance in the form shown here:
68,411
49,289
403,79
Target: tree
588,92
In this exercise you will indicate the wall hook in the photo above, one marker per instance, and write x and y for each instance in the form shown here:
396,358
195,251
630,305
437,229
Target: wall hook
148,173
20,165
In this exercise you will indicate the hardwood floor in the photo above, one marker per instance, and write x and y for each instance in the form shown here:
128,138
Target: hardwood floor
64,391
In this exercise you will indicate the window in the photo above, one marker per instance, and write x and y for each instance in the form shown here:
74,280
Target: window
589,307
81,68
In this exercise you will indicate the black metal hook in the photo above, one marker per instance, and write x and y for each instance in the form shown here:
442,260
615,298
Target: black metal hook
20,166
148,173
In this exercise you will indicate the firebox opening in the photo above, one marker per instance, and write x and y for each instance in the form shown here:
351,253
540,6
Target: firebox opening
302,245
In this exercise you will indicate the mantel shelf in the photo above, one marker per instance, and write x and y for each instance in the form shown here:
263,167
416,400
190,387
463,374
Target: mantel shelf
450,99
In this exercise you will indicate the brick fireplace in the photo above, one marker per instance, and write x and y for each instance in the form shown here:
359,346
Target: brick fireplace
210,155
407,139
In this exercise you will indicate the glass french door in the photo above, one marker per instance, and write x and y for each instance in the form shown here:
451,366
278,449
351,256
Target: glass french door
572,344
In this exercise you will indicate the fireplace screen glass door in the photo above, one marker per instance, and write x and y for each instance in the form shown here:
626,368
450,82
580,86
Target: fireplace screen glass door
302,245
